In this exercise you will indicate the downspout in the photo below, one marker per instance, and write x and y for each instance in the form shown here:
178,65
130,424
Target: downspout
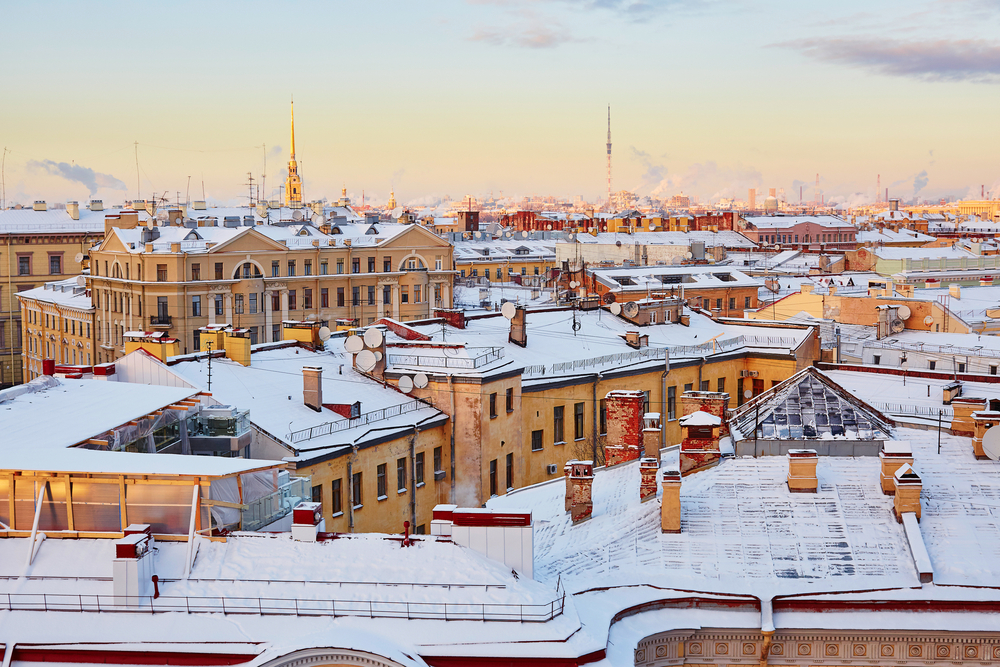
413,478
350,499
593,398
766,628
663,408
451,388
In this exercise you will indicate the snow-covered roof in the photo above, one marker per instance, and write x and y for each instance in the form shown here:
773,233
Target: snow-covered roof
665,277
65,293
52,220
726,239
504,250
785,221
887,235
118,463
921,253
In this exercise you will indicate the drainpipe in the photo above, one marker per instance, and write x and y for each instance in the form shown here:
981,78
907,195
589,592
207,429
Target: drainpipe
766,628
593,398
663,408
350,498
451,388
413,477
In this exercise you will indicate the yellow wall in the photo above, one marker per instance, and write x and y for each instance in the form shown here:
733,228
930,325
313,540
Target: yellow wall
67,336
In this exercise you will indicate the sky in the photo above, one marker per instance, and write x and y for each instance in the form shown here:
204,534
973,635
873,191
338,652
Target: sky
440,98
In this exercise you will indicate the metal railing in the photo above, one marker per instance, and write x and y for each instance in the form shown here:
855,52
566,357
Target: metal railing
268,509
933,349
916,410
362,420
447,611
160,320
488,357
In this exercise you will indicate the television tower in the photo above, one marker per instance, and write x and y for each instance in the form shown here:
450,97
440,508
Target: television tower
609,156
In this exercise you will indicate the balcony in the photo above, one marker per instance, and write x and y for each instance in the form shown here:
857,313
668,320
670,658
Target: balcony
160,321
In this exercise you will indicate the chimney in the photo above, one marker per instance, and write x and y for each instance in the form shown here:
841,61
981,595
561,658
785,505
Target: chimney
625,426
40,206
307,521
73,208
713,402
96,205
199,205
636,341
312,387
983,422
955,291
802,470
648,467
567,472
519,328
963,408
651,435
908,488
670,504
452,316
132,566
700,446
582,478
894,455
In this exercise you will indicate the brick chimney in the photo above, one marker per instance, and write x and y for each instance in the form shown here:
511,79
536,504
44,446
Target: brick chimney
651,435
312,387
452,316
648,467
567,473
908,488
963,407
670,504
582,478
713,402
982,422
802,470
700,446
894,455
625,426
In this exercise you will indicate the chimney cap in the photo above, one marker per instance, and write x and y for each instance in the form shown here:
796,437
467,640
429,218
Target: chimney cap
905,474
700,418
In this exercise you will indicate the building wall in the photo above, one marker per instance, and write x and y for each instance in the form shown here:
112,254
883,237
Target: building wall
524,266
55,331
714,299
805,235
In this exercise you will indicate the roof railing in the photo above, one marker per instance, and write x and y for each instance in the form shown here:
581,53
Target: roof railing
362,420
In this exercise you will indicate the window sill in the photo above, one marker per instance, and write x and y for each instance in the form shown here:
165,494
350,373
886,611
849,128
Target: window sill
579,440
511,411
493,416
538,450
420,484
357,507
561,442
400,491
381,498
337,515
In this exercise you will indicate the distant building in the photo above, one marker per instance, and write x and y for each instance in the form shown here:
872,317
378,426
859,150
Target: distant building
805,232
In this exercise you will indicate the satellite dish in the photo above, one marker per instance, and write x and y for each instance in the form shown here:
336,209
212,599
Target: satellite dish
397,213
689,254
676,259
897,326
81,281
573,284
991,443
609,297
630,308
317,218
366,360
150,224
570,237
420,380
354,344
79,257
524,235
928,320
618,243
373,337
904,312
508,310
616,308
378,356
652,226
262,210
324,333
405,384
297,215
748,393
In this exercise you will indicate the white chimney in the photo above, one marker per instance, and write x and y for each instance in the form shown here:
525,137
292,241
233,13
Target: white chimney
132,568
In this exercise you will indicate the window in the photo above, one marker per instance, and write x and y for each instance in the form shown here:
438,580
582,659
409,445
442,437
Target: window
340,266
437,266
418,468
291,300
355,296
253,335
877,359
961,368
604,417
400,475
758,386
645,401
307,267
335,500
493,477
689,386
218,305
510,399
557,423
239,304
475,272
356,497
993,370
196,305
387,265
578,421
324,268
371,265
371,295
275,301
196,272
247,269
275,333
218,271
718,304
253,302
739,391
404,295
387,295
307,299
510,471
275,268
291,268
732,303
524,270
55,264
382,488
324,297
355,265
536,440
499,272
536,270
437,461
340,297
721,386
161,308
161,273
317,494
746,302
416,294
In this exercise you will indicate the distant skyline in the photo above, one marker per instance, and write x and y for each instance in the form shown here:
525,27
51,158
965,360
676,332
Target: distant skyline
453,97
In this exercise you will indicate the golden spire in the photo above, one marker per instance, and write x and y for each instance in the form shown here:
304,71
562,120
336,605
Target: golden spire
293,128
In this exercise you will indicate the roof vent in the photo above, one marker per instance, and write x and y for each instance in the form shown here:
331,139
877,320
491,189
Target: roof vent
40,206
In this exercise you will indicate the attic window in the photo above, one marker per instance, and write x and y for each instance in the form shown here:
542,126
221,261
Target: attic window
371,231
623,280
304,232
521,251
485,251
725,277
672,279
192,236
336,230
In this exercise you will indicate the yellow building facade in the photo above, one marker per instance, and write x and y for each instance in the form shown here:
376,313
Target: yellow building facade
58,324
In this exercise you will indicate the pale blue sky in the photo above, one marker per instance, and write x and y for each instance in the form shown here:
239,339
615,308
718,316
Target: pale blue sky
456,97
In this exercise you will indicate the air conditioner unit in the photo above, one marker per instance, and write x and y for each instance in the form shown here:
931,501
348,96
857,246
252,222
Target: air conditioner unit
551,468
749,374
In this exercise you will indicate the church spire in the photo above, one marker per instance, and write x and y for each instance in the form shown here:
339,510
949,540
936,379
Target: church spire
293,184
293,128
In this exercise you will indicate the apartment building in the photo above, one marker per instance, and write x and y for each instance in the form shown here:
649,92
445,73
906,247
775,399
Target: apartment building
58,324
229,267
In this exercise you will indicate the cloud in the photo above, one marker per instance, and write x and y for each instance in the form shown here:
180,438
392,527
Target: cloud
93,180
920,182
706,177
654,174
397,176
275,151
972,60
532,36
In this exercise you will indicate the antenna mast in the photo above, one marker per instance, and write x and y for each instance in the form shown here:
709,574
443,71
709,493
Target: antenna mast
609,157
137,188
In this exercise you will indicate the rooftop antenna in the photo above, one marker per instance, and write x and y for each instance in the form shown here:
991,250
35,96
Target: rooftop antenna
3,180
609,157
208,344
878,188
263,174
187,195
137,188
203,186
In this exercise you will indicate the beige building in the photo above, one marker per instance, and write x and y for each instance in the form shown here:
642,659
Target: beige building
230,268
58,321
38,244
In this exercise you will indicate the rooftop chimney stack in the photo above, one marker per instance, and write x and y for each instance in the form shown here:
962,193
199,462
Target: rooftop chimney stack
670,504
307,521
73,208
648,467
651,435
802,470
519,328
908,487
625,426
567,473
312,387
700,446
582,478
982,423
713,402
894,455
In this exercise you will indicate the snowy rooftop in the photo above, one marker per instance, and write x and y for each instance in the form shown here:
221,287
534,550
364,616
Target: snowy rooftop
783,221
52,220
889,236
921,253
116,463
62,292
504,250
666,277
726,239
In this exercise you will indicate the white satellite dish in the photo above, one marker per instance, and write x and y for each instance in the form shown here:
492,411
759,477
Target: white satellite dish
689,254
630,308
378,356
991,443
573,284
904,312
297,215
324,333
262,210
928,320
366,360
150,224
397,213
405,384
81,281
676,259
508,310
524,235
373,337
652,226
748,393
354,344
318,218
420,380
79,257
616,308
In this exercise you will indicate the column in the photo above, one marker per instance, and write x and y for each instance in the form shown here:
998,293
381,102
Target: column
284,305
211,307
266,335
395,301
229,308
